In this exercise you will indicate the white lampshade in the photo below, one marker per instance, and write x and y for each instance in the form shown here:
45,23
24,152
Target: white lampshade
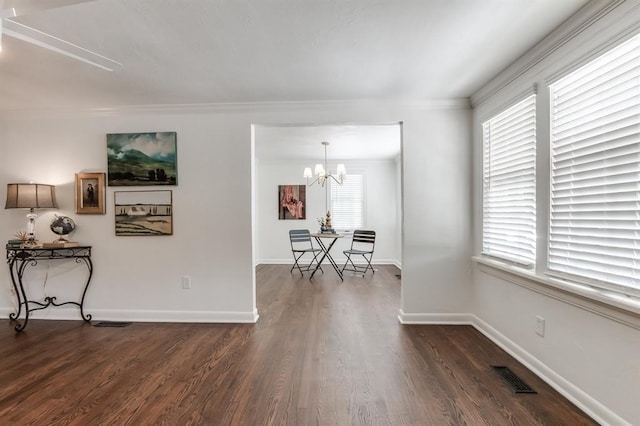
307,173
342,170
319,170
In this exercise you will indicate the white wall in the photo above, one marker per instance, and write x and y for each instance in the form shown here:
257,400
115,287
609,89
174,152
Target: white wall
590,349
436,202
138,278
381,195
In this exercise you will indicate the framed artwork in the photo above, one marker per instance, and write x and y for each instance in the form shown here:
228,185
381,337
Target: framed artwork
90,193
292,201
143,213
142,159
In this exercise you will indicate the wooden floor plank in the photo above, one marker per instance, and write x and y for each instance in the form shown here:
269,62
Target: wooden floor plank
324,352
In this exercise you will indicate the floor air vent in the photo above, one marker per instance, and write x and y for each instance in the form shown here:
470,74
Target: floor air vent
111,324
516,383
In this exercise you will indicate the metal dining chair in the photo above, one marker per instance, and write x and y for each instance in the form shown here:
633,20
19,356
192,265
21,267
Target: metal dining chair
301,244
362,244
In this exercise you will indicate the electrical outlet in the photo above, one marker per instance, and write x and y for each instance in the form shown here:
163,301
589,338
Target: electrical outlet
186,282
539,326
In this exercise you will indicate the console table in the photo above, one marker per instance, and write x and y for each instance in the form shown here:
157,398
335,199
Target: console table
20,258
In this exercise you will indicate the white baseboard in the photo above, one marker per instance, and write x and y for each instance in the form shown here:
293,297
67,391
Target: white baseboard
581,399
578,397
435,319
142,316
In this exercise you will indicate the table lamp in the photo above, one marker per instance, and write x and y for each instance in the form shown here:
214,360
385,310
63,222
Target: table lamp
30,196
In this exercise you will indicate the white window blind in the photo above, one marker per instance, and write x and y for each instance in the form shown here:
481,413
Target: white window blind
347,203
509,186
594,232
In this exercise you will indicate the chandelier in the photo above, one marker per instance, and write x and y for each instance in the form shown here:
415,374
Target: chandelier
323,174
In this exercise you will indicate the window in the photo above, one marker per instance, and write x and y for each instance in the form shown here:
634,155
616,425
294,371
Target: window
347,203
594,228
509,193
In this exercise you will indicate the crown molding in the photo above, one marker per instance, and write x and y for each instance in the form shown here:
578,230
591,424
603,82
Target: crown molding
241,107
573,27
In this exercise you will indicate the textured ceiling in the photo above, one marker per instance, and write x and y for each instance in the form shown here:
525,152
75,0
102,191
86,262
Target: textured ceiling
228,51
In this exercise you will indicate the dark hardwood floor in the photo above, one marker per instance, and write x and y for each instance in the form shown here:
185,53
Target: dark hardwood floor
322,353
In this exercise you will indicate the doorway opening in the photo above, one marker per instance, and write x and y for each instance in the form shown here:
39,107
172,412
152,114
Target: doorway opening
280,154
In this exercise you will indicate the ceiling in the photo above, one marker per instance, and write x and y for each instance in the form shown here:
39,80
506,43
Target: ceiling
346,142
177,52
200,52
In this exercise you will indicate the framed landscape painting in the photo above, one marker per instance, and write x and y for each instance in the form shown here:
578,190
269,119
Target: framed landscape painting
143,213
142,159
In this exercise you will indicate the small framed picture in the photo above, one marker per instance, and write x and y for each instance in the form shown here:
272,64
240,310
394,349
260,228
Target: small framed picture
143,213
90,193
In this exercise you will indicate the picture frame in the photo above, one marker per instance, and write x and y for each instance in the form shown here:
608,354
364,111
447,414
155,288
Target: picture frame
142,159
143,213
90,193
292,202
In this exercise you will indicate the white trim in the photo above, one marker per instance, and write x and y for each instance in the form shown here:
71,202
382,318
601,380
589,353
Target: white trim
243,107
624,310
569,30
594,53
508,103
581,399
578,397
142,316
435,319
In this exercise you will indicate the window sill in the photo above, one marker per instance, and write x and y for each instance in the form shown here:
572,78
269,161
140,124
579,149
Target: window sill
616,307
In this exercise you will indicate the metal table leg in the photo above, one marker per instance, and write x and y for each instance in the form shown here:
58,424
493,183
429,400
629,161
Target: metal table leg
325,253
